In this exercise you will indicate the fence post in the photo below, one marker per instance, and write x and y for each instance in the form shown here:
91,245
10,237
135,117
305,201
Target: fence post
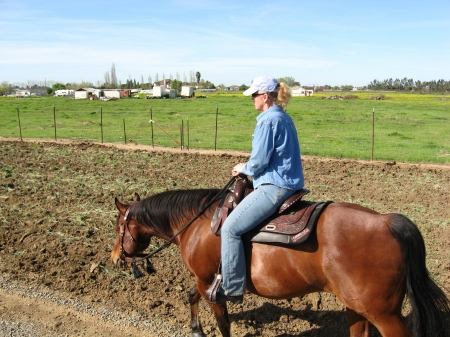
124,132
151,121
215,137
54,118
20,127
187,121
373,131
101,121
182,135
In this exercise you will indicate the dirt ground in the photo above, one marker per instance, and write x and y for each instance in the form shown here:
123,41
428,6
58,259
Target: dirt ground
56,233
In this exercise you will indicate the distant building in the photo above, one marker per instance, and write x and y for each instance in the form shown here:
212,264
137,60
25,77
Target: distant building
93,94
300,91
159,91
64,92
108,93
165,83
84,93
22,93
187,91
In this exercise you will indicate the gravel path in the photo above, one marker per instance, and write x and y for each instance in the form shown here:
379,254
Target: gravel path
34,311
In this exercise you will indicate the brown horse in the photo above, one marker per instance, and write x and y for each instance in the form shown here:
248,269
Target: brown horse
370,261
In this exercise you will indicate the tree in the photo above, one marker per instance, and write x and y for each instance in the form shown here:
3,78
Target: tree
176,84
207,84
5,87
197,76
150,84
58,86
290,81
113,76
107,82
347,87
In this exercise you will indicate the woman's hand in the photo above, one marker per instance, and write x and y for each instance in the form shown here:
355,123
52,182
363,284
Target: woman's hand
237,169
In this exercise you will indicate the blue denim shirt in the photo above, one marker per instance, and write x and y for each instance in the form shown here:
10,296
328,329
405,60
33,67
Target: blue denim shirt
275,157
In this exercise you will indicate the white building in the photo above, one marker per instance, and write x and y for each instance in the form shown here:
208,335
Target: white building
187,91
159,91
173,93
302,92
64,92
107,93
84,93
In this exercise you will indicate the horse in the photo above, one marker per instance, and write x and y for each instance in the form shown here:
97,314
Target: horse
369,261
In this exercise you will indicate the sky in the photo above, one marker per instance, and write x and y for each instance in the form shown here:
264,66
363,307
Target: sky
228,42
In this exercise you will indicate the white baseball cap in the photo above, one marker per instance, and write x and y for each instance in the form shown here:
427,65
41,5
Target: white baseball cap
262,83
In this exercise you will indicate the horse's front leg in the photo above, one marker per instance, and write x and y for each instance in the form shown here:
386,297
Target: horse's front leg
223,321
220,311
196,325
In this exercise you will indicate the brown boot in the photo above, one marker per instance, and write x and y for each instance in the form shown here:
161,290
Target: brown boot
221,298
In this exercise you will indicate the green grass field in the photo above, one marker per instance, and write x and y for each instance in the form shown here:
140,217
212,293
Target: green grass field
407,127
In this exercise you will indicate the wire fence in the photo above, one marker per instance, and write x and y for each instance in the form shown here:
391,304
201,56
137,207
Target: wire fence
362,135
139,127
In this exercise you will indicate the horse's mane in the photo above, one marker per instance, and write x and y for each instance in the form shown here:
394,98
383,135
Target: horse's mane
179,206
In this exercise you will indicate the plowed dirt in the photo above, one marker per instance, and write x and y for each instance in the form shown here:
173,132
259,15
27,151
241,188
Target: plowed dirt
56,233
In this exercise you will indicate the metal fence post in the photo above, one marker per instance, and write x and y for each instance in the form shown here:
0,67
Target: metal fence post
20,127
373,131
54,118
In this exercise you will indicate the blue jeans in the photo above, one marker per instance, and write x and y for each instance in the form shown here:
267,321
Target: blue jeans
251,211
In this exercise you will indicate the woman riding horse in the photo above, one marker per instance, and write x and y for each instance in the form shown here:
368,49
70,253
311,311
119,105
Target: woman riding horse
276,167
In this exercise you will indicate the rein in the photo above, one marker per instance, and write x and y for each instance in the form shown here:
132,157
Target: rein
124,224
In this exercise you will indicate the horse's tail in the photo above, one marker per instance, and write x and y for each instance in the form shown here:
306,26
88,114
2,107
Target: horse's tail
430,307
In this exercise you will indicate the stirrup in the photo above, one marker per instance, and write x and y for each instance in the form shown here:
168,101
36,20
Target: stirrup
211,293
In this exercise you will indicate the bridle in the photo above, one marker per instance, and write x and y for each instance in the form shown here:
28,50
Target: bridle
123,225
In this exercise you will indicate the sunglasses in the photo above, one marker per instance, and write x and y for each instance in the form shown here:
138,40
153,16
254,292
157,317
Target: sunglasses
256,94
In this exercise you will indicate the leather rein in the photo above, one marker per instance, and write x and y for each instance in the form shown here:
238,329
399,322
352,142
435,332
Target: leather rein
123,226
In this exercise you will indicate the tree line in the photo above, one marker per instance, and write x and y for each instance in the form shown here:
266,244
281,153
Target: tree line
408,84
111,81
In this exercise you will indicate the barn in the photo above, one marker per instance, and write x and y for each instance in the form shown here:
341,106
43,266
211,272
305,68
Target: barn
84,93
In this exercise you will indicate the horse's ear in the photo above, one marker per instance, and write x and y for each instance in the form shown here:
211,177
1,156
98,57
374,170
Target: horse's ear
121,207
136,197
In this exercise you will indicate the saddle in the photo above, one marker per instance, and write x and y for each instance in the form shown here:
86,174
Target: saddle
291,224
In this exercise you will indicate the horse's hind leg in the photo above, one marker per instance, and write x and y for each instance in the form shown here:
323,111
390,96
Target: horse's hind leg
392,326
196,325
359,326
387,325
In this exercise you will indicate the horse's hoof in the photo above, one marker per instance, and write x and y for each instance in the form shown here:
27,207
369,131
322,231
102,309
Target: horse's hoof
198,334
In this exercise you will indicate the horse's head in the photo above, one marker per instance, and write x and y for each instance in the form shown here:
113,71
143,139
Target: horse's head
131,238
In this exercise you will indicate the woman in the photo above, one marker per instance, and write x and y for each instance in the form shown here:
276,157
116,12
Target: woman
276,167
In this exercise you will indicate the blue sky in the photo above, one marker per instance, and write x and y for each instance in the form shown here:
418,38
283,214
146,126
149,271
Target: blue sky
228,42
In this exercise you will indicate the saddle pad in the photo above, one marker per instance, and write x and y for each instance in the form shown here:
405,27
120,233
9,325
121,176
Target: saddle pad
257,235
291,222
